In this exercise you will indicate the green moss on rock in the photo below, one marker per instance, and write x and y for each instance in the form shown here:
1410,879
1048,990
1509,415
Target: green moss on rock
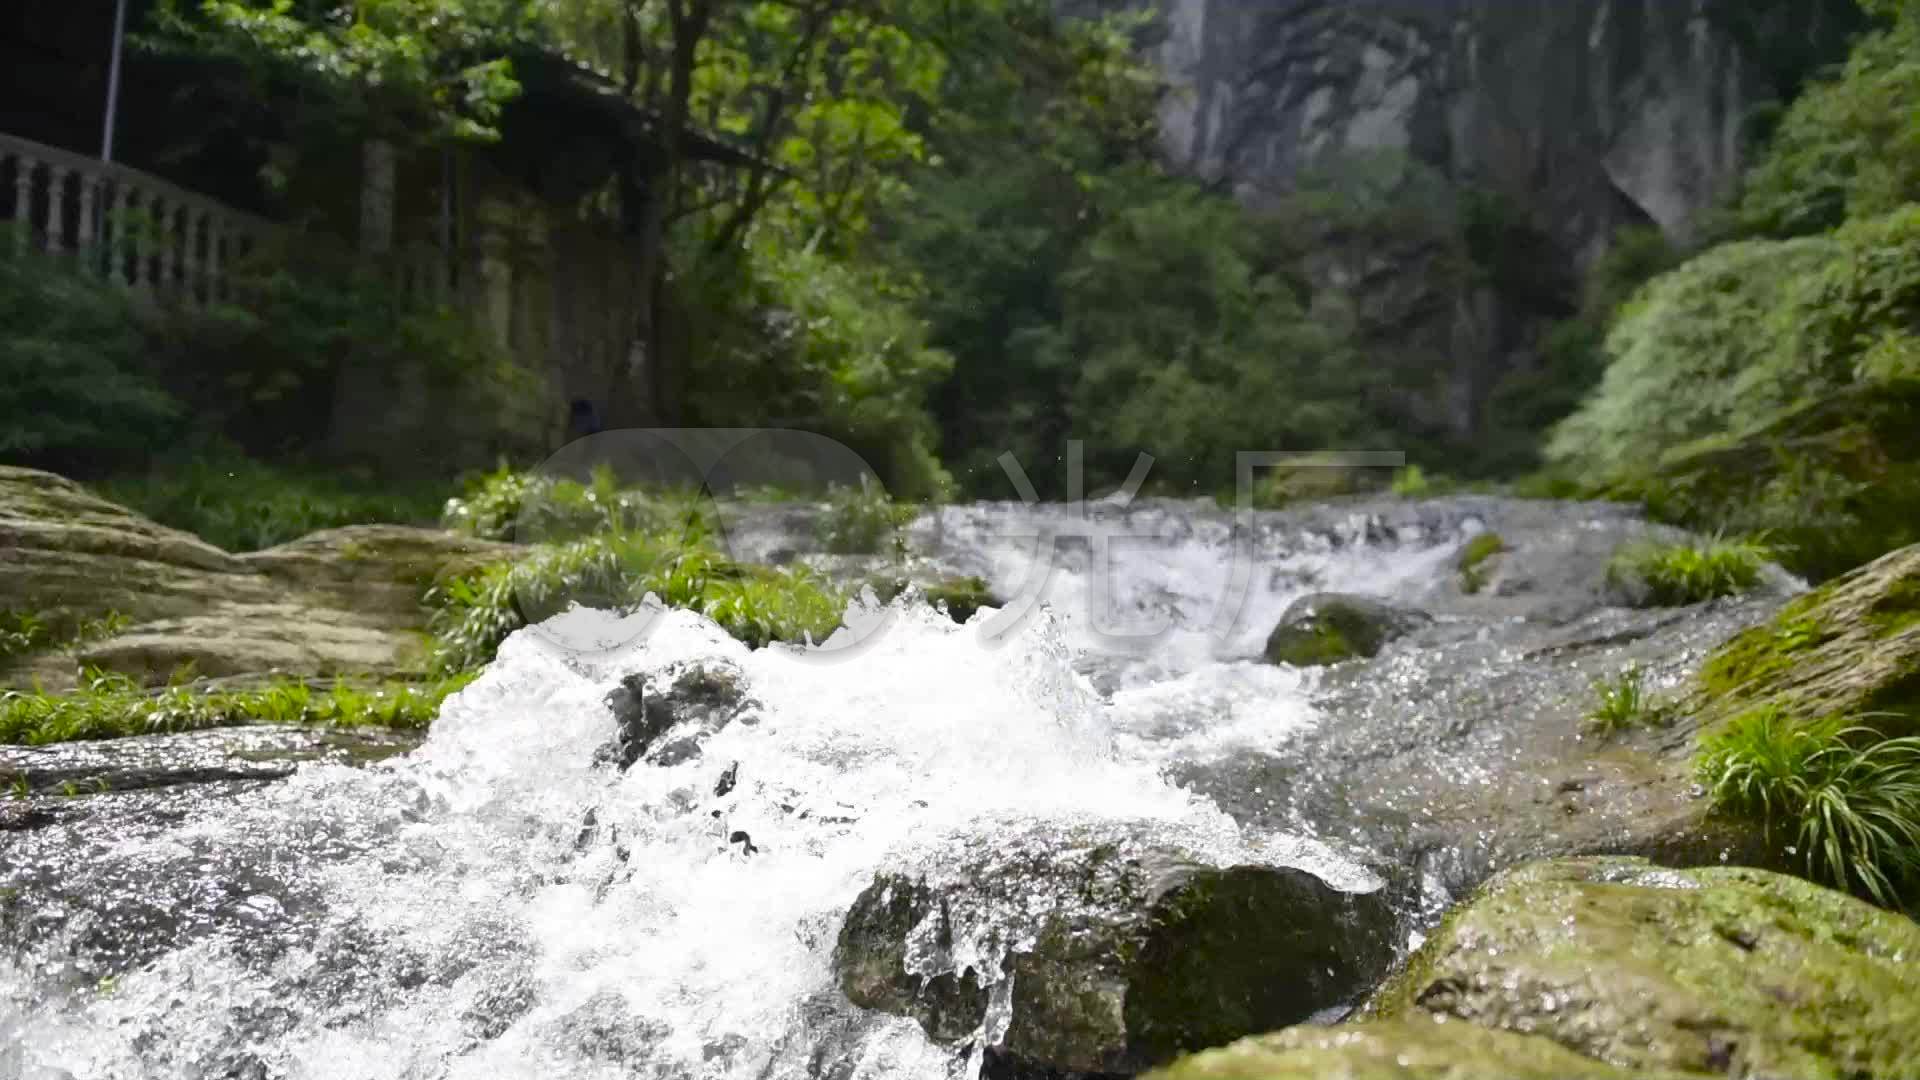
1415,1049
1475,561
1328,628
1720,971
1850,648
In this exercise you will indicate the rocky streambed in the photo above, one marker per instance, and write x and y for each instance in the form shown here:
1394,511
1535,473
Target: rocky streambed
1086,844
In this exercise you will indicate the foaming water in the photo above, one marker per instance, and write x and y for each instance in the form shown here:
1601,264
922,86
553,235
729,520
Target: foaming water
496,904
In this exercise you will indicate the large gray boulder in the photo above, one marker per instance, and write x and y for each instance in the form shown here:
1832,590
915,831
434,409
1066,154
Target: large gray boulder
1121,953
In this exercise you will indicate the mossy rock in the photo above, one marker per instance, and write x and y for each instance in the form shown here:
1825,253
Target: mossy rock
1720,971
1851,647
1477,561
1416,1049
959,597
1327,628
1123,954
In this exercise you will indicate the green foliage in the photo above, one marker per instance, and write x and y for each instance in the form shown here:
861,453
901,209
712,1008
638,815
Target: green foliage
239,504
1412,483
1474,560
474,613
264,368
111,706
798,339
528,507
1850,146
1188,344
1766,386
392,67
73,385
1850,798
1674,575
1621,703
865,521
23,633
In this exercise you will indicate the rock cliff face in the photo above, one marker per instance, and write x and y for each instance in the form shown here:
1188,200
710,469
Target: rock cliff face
1591,113
1571,118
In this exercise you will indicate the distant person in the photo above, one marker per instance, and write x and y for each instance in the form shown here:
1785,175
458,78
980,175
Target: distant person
583,421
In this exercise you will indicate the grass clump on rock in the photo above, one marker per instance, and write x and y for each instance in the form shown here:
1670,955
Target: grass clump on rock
1621,703
1850,797
474,613
111,706
1675,575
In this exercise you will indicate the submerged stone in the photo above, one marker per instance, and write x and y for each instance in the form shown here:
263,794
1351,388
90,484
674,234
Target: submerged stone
669,723
1720,971
1326,628
1120,956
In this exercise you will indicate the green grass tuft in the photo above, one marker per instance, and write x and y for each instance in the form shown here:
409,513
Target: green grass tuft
111,706
474,613
25,632
1621,703
1675,575
1850,797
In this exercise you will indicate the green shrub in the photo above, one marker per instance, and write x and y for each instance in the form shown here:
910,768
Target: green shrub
1621,703
1474,560
1674,575
110,706
240,504
1850,798
74,388
1768,387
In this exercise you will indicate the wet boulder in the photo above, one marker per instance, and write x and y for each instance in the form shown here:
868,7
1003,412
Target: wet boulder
1721,971
1100,954
665,717
1426,1048
1326,628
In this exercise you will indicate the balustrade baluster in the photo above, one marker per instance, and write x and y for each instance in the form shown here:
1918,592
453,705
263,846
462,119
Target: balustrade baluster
118,250
191,221
137,242
83,225
23,169
216,234
167,251
56,207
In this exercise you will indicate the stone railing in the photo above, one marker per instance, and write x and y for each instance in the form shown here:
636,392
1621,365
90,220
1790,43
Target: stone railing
141,231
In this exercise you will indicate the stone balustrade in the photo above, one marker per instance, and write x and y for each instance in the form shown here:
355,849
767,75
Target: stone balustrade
141,231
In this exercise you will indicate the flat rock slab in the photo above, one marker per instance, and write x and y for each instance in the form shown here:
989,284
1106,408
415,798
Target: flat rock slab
338,602
264,752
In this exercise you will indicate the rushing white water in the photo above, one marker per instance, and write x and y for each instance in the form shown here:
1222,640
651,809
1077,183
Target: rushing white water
496,904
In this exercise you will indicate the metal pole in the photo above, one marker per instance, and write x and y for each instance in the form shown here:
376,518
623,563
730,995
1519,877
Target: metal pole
113,78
